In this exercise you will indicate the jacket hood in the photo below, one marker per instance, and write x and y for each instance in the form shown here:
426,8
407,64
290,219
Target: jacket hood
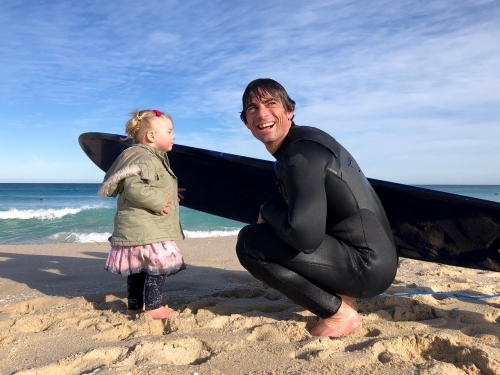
110,187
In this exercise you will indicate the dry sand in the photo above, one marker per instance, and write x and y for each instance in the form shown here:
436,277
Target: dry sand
61,313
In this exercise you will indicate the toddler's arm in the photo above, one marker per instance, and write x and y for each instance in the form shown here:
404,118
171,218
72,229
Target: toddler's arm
143,195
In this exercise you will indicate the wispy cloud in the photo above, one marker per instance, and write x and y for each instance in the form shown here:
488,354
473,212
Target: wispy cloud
412,90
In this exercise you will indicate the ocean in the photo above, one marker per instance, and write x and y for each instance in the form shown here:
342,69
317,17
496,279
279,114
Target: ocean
53,213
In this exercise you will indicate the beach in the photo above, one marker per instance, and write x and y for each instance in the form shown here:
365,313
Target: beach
61,313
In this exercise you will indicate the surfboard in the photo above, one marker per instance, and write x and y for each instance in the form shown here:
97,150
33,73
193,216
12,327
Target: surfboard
428,225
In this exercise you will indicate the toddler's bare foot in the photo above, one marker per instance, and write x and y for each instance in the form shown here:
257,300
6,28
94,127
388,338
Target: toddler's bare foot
345,321
161,313
134,312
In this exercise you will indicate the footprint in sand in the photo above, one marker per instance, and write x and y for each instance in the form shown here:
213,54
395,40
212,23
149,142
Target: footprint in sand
401,309
319,349
120,328
207,318
279,331
462,353
34,324
488,315
187,351
7,336
178,352
488,334
242,301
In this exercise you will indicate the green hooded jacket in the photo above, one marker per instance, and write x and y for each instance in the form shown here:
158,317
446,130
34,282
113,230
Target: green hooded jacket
141,176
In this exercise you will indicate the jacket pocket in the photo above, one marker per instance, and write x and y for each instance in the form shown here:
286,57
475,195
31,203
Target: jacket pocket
127,228
163,222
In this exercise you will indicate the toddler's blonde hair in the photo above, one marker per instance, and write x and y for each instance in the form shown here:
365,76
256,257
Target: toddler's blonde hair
142,122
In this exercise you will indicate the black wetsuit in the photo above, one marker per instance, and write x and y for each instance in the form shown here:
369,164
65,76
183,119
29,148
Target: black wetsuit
329,236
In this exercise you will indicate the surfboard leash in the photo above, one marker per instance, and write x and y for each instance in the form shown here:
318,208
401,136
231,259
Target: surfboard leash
447,294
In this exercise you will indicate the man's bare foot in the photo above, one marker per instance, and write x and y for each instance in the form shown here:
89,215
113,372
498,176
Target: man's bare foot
345,321
161,313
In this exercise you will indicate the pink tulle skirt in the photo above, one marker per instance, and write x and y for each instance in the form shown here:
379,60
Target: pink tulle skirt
162,258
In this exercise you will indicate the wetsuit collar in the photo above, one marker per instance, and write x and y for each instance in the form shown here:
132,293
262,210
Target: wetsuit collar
280,149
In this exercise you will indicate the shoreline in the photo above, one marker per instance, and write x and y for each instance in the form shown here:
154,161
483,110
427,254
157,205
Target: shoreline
61,312
101,238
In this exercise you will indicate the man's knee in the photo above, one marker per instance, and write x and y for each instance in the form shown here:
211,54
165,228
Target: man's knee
253,243
243,236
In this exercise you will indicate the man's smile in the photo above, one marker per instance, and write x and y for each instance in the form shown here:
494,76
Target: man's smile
266,125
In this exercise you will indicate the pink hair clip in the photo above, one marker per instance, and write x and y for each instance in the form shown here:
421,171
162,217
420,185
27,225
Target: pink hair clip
157,113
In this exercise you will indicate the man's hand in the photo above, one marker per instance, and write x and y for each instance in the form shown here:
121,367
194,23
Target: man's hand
179,195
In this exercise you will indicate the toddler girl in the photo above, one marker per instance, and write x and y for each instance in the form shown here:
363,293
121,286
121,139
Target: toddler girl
147,222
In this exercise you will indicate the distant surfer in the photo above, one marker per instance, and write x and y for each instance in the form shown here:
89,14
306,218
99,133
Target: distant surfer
328,242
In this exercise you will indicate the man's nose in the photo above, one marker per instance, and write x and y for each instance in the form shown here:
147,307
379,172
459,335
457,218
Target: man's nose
263,111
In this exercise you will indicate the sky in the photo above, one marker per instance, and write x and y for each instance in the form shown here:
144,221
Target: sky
410,88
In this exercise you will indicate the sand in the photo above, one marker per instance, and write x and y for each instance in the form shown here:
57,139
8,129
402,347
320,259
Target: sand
61,313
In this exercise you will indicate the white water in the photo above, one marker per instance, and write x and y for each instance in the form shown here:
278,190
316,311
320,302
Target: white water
213,233
43,213
76,237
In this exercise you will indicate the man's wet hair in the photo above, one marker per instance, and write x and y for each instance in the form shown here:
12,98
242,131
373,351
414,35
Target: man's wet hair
261,87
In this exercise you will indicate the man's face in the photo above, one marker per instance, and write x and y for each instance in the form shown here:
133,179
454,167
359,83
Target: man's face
268,121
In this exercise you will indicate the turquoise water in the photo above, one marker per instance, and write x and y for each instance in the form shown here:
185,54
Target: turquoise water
486,192
51,213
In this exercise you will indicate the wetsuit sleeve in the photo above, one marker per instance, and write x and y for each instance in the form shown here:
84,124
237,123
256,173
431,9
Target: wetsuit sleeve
301,224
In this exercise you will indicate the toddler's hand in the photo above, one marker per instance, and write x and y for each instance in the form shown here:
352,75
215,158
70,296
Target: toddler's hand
165,209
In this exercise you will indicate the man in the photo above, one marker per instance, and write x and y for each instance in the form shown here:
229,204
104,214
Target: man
328,241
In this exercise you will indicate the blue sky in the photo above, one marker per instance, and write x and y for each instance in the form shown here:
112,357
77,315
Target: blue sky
410,88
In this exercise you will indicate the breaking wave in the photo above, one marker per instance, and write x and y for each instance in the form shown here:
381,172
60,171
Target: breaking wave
76,237
44,213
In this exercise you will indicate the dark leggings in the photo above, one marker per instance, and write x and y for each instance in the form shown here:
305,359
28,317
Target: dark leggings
313,281
144,289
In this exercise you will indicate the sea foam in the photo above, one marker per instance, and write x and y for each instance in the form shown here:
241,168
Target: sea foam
211,233
75,237
44,213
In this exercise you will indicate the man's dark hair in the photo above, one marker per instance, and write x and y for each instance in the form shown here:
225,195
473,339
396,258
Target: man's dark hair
262,87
